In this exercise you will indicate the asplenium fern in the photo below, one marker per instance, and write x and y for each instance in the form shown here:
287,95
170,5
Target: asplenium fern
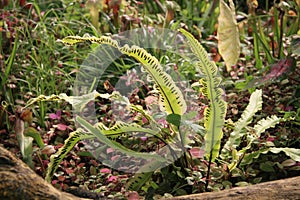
255,104
171,100
214,115
171,97
252,134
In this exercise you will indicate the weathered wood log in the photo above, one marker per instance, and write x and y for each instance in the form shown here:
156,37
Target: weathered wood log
284,189
18,181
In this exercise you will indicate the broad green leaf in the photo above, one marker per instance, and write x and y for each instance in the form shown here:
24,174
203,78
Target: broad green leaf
228,34
267,166
174,119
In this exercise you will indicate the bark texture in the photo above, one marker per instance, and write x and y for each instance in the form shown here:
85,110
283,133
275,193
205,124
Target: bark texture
284,189
18,181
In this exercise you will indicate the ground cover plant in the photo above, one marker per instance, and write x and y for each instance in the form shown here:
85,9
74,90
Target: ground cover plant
246,119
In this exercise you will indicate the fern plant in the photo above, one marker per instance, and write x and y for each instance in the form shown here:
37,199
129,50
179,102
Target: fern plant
174,105
241,129
216,112
171,101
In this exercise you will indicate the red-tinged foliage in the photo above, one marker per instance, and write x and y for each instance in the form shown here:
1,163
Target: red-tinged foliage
113,179
22,2
197,152
61,127
132,195
280,68
69,170
105,171
80,165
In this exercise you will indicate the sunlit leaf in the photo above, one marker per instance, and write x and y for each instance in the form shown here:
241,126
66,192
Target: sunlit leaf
228,35
171,98
266,123
255,104
214,115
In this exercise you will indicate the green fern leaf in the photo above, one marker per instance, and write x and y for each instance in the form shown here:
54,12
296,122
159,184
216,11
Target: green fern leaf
122,127
171,98
291,152
70,142
216,112
264,124
139,180
259,128
78,102
255,104
117,146
118,128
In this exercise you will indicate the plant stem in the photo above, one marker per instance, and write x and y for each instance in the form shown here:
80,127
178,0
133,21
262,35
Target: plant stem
208,170
280,51
182,147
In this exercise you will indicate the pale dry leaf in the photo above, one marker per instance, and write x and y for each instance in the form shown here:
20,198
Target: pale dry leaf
228,35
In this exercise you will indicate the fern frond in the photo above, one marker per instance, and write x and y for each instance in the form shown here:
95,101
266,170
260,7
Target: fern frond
70,142
78,102
291,152
216,112
117,146
139,180
266,123
259,128
255,104
170,96
79,134
121,127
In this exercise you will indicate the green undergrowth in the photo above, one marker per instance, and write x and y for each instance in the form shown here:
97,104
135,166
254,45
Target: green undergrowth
245,117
